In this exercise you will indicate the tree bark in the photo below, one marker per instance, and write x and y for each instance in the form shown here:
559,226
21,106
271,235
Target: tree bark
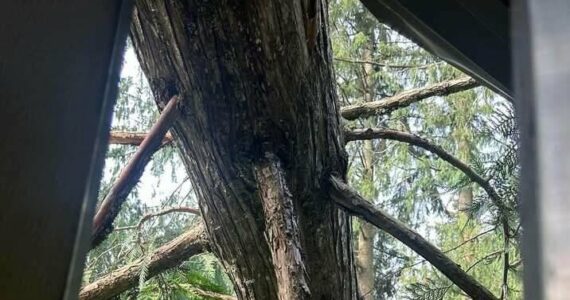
347,198
282,230
406,98
255,77
191,243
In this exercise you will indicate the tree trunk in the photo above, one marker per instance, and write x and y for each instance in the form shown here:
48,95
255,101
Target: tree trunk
465,199
365,238
365,260
255,77
365,254
367,232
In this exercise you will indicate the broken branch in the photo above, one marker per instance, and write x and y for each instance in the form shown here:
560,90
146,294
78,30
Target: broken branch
130,175
406,98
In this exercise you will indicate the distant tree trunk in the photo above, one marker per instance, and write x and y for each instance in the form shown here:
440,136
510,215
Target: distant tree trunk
365,260
256,82
366,234
465,198
466,193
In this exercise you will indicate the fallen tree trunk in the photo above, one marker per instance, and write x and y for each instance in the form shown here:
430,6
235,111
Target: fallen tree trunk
172,254
406,98
352,202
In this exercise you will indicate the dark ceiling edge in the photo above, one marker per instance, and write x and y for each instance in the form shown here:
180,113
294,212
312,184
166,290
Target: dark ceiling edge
83,235
395,15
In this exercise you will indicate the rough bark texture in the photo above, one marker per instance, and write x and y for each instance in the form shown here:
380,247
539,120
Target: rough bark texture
406,98
168,256
133,138
282,230
255,77
344,196
130,175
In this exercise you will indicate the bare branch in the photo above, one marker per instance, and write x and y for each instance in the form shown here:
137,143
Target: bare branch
130,175
352,202
406,98
170,255
134,138
389,134
381,64
160,213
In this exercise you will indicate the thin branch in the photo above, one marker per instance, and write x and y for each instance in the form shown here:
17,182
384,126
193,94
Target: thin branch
171,254
469,240
381,64
130,175
406,98
446,288
160,213
421,261
134,138
389,134
483,259
381,133
352,202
